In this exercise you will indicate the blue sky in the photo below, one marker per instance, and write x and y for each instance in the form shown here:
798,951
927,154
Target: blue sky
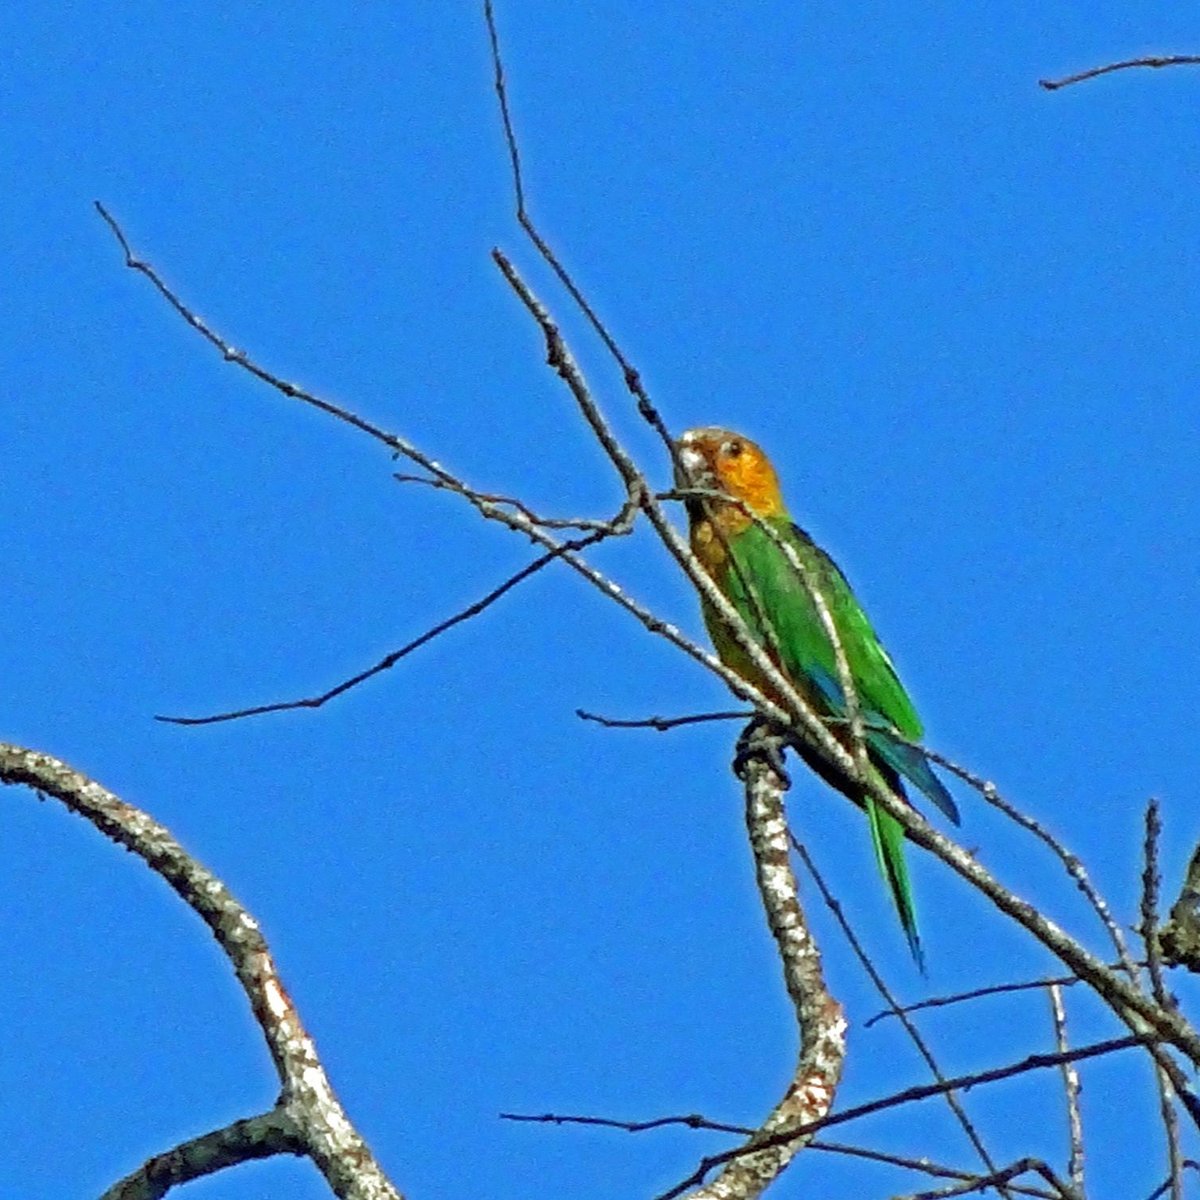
959,312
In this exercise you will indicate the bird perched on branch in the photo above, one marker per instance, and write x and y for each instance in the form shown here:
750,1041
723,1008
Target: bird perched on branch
740,543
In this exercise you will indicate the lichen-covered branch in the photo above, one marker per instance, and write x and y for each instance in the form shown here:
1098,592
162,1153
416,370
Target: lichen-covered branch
819,1017
308,1118
263,1136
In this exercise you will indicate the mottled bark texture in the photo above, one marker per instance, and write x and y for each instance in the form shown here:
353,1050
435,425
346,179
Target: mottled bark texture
307,1119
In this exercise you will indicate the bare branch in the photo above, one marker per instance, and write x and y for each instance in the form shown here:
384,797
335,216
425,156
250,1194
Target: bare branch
662,724
608,525
1123,998
492,511
560,359
309,1117
690,1121
819,1017
1033,1062
996,989
998,1179
239,358
1151,886
1023,1166
1070,1090
263,1136
696,1121
1157,60
914,1034
390,660
1126,1001
1070,861
1168,1185
633,381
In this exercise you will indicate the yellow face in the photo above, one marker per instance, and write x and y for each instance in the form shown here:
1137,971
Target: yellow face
717,459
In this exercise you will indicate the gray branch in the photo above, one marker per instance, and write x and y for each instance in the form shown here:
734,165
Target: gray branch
819,1017
308,1118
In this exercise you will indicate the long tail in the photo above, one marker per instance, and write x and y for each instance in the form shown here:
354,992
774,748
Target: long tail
887,834
912,764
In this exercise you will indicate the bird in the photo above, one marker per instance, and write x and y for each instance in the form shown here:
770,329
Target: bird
737,542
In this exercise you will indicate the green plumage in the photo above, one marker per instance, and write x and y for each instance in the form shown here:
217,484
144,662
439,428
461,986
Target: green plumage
770,596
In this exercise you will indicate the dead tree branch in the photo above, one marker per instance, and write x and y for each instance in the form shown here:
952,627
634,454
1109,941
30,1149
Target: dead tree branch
819,1018
308,1118
1153,60
1070,1076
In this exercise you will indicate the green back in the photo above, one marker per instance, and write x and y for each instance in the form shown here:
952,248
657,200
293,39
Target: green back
805,650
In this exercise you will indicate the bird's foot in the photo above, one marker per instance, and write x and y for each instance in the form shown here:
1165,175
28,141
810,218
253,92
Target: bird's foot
760,740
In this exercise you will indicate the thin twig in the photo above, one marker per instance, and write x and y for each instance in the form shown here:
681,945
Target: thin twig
661,724
390,660
1033,1062
1167,1185
699,1122
1023,1166
997,1179
915,1036
1070,861
580,523
1157,60
996,989
1151,887
1070,1074
633,381
689,1121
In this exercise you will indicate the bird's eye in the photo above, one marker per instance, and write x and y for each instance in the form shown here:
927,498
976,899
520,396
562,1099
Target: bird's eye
732,449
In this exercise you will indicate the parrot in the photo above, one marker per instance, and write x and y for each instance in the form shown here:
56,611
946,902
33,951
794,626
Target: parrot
752,572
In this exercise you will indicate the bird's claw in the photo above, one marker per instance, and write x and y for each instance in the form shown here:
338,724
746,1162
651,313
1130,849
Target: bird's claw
760,741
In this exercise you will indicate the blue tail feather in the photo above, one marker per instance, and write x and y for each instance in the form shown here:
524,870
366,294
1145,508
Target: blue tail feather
914,766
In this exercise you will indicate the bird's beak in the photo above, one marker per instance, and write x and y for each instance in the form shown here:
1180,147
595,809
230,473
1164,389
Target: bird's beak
691,464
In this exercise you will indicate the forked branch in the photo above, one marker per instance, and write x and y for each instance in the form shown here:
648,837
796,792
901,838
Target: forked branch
308,1118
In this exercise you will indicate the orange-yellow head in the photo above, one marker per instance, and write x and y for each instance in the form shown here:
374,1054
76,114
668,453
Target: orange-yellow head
718,460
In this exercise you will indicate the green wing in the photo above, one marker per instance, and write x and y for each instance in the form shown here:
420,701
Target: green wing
803,645
798,637
767,592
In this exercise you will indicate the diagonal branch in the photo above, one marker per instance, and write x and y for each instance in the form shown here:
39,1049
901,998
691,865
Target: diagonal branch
1126,1000
952,1099
1023,1166
489,509
1154,60
1151,886
1033,1062
995,989
390,660
633,379
309,1117
1071,862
